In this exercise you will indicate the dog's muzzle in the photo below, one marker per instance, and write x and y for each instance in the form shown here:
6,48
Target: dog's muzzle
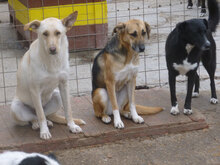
138,48
206,46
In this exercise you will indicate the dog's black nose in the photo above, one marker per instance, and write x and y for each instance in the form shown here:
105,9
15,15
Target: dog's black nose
52,50
142,48
207,45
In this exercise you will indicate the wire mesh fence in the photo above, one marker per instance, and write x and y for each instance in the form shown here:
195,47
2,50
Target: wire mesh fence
93,28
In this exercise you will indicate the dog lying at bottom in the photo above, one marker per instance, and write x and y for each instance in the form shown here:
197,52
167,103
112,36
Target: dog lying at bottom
22,158
114,75
190,42
43,68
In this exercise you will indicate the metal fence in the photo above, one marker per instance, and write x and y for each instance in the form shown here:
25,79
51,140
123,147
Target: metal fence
162,15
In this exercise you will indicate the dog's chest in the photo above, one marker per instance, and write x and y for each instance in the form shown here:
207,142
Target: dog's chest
185,67
126,74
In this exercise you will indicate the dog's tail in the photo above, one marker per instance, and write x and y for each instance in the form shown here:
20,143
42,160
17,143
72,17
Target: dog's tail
213,14
61,120
143,110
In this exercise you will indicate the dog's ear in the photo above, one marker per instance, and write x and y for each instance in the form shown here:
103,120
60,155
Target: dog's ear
148,29
206,23
181,26
118,28
70,20
34,25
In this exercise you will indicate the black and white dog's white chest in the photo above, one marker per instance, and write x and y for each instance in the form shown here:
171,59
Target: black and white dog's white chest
186,66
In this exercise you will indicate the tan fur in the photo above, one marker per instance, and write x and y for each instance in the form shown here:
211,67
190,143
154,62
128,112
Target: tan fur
111,65
61,120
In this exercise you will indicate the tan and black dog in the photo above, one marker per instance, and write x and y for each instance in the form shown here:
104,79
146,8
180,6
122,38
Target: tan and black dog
114,74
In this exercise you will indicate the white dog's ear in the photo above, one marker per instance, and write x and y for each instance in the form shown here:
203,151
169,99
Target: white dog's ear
34,25
70,20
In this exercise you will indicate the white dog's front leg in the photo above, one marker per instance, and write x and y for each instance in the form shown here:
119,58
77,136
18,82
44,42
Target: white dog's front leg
63,87
44,131
131,87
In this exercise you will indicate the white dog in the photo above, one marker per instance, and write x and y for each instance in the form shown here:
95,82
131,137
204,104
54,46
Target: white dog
22,158
43,68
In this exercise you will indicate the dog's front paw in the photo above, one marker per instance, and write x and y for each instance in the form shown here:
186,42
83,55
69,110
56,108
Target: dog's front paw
195,94
138,119
75,128
106,119
45,134
187,111
36,126
213,100
118,124
175,110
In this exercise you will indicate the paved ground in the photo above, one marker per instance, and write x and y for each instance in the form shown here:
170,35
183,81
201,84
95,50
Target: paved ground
191,148
95,132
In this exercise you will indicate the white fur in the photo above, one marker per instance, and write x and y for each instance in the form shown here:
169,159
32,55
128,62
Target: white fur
175,110
185,67
127,72
39,74
106,119
189,48
187,111
213,101
117,119
15,157
195,94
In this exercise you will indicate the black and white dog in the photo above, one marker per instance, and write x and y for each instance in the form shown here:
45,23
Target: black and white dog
201,4
190,42
22,158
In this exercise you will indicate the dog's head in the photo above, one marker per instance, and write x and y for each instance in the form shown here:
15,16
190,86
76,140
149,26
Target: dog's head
133,33
52,31
194,32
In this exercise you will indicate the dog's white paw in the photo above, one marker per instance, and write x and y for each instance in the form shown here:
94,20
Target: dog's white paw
195,94
189,7
213,101
127,115
36,126
175,110
118,124
202,14
117,119
138,119
187,111
75,128
106,119
45,134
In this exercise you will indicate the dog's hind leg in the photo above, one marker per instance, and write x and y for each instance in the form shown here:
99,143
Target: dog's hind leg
100,104
203,9
190,4
197,84
21,113
210,68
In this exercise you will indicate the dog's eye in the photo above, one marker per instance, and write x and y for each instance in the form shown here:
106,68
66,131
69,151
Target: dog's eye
45,34
57,33
143,32
134,34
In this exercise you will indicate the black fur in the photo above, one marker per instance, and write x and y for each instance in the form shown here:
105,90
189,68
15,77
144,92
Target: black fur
195,32
36,160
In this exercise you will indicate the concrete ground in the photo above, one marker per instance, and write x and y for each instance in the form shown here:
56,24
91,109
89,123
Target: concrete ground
191,148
